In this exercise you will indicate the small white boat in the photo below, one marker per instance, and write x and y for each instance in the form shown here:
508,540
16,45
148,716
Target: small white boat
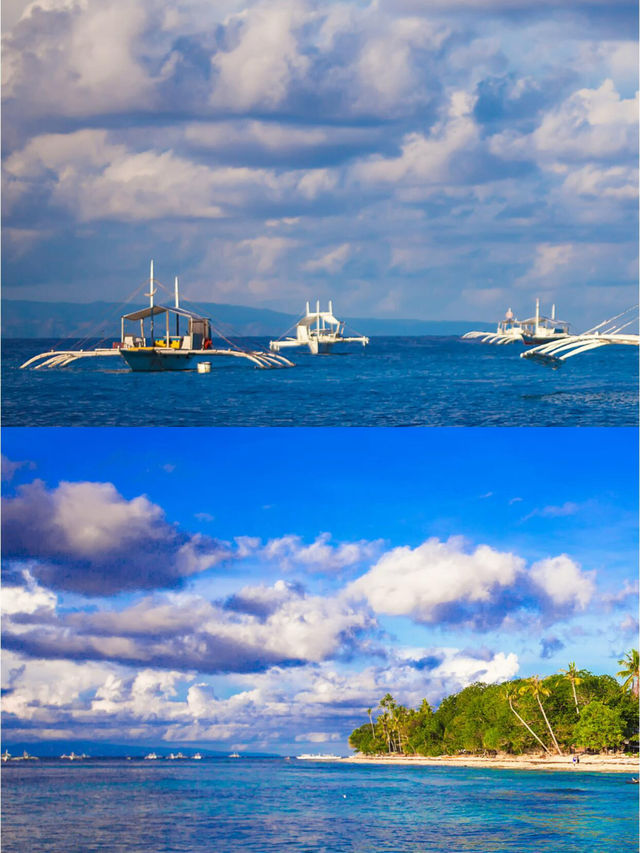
24,757
197,757
318,330
151,756
6,755
234,755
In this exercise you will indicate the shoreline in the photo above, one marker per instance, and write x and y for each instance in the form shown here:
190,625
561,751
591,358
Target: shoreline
588,763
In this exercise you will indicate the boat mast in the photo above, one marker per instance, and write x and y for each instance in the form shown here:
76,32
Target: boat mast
177,296
537,313
151,294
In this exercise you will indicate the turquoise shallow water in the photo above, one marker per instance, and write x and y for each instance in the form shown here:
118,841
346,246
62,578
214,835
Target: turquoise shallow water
273,804
428,381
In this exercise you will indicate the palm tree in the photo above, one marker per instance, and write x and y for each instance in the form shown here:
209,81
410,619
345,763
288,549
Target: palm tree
571,674
369,710
509,694
388,706
535,687
629,672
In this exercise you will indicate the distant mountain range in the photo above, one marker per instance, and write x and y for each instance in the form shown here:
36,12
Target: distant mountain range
22,318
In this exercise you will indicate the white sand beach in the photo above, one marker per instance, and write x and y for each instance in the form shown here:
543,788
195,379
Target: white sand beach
587,763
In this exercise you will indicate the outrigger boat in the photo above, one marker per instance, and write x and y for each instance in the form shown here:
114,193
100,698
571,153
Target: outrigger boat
318,330
531,332
540,330
508,331
168,349
611,331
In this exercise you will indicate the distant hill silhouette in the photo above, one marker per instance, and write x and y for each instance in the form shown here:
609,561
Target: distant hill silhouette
23,318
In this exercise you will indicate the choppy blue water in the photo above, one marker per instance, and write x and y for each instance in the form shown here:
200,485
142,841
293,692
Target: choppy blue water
271,804
427,381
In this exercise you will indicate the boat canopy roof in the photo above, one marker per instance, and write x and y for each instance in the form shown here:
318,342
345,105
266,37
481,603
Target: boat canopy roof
312,317
543,319
143,313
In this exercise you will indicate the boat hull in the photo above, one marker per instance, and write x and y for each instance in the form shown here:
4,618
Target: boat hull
536,340
157,359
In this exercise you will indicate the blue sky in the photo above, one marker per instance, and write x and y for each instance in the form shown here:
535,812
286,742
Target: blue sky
293,576
435,160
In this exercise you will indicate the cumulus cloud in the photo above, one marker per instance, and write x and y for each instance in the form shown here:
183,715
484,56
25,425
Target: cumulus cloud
317,704
321,555
88,538
427,158
257,628
448,583
563,581
437,581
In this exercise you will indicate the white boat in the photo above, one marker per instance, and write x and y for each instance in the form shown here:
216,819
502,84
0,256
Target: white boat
319,331
609,332
6,755
197,757
508,331
532,331
24,757
318,756
540,330
73,757
162,344
234,755
151,756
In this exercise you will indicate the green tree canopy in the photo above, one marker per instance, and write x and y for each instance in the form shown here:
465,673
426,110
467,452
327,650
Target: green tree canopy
599,727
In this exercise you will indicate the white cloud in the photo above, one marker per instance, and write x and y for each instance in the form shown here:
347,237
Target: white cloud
426,158
564,582
321,554
418,581
29,598
259,627
88,538
264,61
318,737
591,124
82,58
331,261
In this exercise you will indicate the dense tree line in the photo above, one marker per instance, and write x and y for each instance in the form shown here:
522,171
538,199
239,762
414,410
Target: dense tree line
573,709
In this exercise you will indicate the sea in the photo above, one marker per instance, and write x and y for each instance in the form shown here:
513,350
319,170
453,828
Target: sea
394,382
272,804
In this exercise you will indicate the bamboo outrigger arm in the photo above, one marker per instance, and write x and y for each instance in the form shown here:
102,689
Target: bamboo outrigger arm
559,351
61,358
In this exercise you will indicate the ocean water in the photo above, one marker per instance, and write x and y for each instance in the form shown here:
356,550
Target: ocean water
272,804
426,381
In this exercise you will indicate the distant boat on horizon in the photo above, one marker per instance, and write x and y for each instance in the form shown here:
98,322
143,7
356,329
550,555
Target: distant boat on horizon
318,330
234,755
533,331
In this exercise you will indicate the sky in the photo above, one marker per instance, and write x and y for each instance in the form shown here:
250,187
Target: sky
407,158
260,589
